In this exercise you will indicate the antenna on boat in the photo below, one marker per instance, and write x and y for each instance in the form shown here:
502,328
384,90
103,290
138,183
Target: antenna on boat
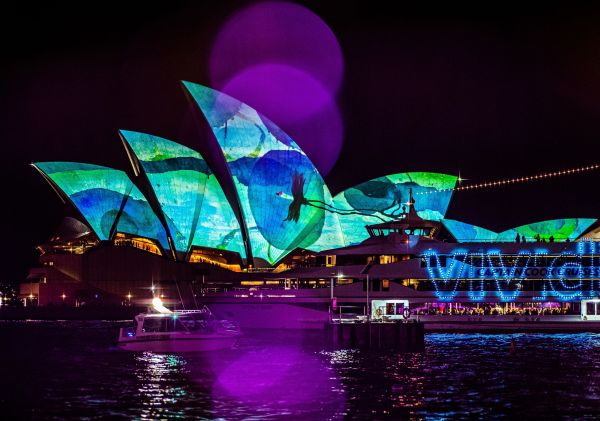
179,293
194,295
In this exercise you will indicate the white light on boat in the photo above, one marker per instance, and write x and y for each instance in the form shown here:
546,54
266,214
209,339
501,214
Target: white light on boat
158,306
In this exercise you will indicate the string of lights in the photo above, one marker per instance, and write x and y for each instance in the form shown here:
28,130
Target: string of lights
517,179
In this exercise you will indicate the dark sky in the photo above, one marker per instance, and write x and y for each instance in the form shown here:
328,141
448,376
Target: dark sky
494,93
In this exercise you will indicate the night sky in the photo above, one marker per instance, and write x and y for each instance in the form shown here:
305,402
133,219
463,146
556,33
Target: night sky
492,93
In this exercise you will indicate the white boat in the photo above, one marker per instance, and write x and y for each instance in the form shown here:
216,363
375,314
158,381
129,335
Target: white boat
164,330
412,267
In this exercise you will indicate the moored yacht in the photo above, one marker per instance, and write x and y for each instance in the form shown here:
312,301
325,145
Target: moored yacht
415,268
164,330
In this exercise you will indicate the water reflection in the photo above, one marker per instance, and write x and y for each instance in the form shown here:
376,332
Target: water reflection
395,382
280,381
474,375
74,372
408,381
162,384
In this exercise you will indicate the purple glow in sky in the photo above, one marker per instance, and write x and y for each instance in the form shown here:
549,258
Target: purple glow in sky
284,61
277,32
296,102
288,93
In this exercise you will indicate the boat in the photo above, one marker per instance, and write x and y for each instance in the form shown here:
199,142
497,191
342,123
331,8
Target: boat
410,268
164,330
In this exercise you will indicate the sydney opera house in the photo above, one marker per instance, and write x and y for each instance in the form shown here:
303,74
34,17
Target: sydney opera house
258,214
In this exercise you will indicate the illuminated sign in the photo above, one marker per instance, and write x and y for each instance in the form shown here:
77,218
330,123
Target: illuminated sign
568,275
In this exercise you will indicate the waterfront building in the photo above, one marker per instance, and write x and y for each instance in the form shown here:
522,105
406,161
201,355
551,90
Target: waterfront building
258,236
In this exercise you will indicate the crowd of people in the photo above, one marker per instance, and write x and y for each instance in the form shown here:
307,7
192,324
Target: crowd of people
491,310
537,238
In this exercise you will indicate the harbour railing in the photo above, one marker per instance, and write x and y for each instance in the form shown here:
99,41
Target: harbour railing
347,314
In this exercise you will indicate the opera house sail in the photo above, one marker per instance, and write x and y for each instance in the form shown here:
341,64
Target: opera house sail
189,195
568,229
285,201
106,198
384,199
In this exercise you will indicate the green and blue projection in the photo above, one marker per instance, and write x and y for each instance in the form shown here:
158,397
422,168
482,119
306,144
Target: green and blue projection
385,199
189,195
284,200
559,229
106,198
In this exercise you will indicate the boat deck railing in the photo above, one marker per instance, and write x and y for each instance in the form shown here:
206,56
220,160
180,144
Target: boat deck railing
191,311
347,314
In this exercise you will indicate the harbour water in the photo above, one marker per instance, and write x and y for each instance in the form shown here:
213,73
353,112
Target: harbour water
55,370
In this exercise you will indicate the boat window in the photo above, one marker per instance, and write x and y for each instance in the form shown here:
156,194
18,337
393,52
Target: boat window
385,259
376,285
389,309
385,285
591,309
330,260
197,325
175,325
163,324
151,325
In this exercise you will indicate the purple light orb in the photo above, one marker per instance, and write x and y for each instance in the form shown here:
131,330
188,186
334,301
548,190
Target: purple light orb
282,378
321,137
296,102
283,93
277,32
254,376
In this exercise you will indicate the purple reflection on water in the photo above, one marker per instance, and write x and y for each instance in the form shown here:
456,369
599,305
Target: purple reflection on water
284,377
278,32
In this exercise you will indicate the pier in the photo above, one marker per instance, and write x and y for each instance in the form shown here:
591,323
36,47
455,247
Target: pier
401,336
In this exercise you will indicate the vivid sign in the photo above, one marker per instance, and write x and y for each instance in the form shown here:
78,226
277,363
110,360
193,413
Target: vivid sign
570,275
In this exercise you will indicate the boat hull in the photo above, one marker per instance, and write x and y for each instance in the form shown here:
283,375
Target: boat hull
169,344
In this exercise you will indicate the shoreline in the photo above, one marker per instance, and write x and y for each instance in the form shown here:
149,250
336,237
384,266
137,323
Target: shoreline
512,327
121,314
62,313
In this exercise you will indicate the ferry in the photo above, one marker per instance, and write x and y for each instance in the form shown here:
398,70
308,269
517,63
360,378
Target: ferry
164,330
408,268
